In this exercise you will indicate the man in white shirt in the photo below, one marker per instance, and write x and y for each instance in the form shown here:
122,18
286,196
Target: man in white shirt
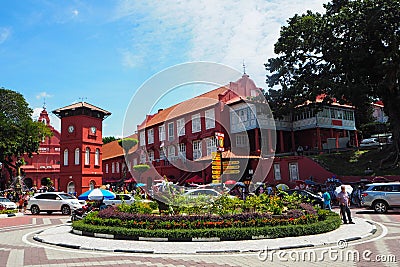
344,202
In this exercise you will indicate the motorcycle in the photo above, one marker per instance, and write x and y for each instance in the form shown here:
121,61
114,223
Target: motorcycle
78,214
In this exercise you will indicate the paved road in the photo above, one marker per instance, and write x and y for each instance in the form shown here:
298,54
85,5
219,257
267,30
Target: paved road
17,248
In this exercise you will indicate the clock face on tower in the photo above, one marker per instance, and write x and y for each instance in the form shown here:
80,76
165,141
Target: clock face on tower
93,130
71,129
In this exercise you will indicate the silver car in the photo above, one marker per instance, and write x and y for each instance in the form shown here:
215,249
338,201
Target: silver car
381,196
52,202
7,204
119,199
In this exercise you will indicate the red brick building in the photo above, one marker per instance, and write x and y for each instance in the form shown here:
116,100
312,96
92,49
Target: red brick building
178,141
46,164
81,147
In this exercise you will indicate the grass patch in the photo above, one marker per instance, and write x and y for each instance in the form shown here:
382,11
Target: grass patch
355,162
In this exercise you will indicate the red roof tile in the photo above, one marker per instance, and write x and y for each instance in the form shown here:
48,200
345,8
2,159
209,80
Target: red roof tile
199,102
114,150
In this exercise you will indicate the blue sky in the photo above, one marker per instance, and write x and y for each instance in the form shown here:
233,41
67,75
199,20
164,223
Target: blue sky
103,51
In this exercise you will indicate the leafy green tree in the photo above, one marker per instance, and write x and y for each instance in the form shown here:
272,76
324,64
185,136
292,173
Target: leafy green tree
350,53
19,134
141,168
108,139
127,144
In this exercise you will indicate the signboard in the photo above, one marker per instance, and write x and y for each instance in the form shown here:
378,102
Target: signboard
216,166
220,141
231,171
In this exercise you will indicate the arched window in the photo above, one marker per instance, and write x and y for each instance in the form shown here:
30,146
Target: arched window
87,156
97,157
117,166
77,152
66,157
71,188
92,185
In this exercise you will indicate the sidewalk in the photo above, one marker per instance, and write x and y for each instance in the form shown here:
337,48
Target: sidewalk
18,214
62,236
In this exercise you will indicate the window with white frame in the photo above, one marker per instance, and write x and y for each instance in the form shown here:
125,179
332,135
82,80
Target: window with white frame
161,132
162,153
66,157
242,140
196,149
117,167
151,156
97,157
150,136
243,115
211,145
87,156
142,157
182,151
107,168
142,138
196,123
180,127
113,167
171,153
210,118
170,131
277,171
77,152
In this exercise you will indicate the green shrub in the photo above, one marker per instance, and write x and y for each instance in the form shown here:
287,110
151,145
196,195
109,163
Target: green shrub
331,222
8,211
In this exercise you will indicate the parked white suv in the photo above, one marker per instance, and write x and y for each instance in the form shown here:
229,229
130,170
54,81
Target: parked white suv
52,202
381,196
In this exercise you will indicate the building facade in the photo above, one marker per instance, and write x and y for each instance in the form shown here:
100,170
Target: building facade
45,164
178,142
81,147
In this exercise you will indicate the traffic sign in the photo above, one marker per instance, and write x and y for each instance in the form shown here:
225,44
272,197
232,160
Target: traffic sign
231,171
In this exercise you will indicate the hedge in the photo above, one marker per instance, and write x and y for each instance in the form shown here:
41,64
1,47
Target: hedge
331,222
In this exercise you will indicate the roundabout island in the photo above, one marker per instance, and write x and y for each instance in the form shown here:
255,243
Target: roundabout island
184,219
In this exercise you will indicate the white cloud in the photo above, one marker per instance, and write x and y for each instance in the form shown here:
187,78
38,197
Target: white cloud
75,12
226,32
4,34
131,60
43,95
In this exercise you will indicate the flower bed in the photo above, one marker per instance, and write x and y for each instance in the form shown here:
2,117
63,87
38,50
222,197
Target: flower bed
229,227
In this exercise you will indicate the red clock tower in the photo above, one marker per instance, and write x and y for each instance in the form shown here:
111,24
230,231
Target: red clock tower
81,146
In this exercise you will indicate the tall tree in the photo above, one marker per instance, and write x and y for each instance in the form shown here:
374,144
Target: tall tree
108,139
126,144
19,134
350,53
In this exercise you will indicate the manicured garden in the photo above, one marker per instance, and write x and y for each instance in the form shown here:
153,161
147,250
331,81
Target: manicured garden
224,217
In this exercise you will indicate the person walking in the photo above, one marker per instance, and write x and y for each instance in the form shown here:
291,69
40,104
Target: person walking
327,200
344,203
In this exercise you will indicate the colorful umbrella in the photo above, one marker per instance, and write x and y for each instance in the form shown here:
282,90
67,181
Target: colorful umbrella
230,182
349,188
140,184
282,187
97,194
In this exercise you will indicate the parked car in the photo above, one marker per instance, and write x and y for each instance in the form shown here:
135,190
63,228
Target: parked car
311,197
7,204
53,202
381,196
119,199
199,192
370,142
